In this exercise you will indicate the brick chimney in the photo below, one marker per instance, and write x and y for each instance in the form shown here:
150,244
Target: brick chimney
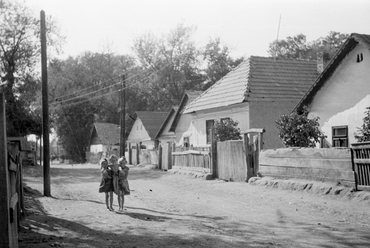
320,62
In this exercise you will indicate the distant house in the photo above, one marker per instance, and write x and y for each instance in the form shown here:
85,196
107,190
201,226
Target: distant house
105,137
256,93
341,93
145,128
27,154
164,134
181,123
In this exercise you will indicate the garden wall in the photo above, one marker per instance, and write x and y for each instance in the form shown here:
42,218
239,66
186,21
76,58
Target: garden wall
326,164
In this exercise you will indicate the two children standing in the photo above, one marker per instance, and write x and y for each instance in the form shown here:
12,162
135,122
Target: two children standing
114,179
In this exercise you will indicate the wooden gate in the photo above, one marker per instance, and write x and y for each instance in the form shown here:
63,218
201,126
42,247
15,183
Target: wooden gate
253,144
361,165
231,164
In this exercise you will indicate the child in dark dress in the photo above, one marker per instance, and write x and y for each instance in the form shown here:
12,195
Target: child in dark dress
106,184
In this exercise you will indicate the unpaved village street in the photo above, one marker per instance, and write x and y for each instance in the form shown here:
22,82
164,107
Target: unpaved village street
176,210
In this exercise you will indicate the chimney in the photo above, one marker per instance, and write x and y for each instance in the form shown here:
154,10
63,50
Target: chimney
320,62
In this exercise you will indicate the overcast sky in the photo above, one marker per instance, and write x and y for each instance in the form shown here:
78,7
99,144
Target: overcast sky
247,27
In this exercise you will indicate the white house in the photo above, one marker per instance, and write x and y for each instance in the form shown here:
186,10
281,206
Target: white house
255,94
341,93
105,137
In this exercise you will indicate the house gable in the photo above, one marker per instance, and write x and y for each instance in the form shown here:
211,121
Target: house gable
341,94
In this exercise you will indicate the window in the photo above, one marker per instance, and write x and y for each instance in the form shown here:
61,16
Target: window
186,142
340,136
209,126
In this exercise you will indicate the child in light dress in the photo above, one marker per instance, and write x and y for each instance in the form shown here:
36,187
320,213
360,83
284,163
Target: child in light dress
123,186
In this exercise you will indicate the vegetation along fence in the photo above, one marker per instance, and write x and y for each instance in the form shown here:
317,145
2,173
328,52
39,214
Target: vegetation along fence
361,164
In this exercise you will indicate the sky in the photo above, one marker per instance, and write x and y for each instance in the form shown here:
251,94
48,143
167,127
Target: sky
247,27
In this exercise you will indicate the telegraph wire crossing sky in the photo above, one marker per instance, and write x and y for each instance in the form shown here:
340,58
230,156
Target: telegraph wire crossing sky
247,27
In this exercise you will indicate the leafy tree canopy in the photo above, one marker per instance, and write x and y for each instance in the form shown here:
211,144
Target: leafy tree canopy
298,47
19,56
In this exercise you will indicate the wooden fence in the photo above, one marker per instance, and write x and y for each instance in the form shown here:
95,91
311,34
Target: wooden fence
196,158
361,164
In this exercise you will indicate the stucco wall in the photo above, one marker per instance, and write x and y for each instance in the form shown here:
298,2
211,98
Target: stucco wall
138,133
182,126
264,115
327,164
344,97
239,112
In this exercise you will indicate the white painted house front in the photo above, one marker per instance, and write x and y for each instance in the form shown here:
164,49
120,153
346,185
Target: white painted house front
341,94
145,128
255,94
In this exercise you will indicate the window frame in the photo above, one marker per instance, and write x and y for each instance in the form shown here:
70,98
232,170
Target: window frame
339,140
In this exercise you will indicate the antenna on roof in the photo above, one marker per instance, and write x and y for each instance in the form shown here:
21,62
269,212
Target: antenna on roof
277,37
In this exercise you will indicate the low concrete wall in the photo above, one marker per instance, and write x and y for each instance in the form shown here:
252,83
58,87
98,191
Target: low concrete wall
327,164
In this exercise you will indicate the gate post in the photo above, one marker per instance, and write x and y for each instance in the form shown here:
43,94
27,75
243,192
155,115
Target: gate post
214,169
251,155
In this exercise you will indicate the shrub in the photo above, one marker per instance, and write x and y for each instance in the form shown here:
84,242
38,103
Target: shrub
296,130
364,130
226,129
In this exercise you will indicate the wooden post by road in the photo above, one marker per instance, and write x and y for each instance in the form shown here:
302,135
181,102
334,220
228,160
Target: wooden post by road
5,234
122,118
45,107
214,169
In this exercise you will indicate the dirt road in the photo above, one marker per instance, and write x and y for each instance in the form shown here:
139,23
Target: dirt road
171,210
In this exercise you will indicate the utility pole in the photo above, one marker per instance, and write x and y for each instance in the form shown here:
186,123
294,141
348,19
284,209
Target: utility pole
45,107
123,115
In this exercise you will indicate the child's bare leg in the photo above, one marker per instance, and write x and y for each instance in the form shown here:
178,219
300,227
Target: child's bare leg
107,199
111,200
119,200
123,199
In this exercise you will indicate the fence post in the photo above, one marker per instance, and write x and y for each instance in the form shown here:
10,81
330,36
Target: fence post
160,157
137,154
129,153
214,169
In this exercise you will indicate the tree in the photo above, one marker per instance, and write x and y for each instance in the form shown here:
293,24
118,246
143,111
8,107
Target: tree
173,63
73,126
19,55
219,61
226,129
296,130
87,87
364,130
297,47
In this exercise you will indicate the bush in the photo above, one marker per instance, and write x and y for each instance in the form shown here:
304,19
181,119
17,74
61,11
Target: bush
226,129
296,130
364,130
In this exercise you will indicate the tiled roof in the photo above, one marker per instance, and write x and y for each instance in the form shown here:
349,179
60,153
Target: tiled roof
259,79
108,133
152,121
347,47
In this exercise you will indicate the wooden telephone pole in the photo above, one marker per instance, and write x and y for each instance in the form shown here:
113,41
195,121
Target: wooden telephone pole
122,117
45,107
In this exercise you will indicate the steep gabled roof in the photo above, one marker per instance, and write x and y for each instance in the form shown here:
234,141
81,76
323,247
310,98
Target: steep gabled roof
152,121
173,111
259,79
189,96
343,51
108,133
